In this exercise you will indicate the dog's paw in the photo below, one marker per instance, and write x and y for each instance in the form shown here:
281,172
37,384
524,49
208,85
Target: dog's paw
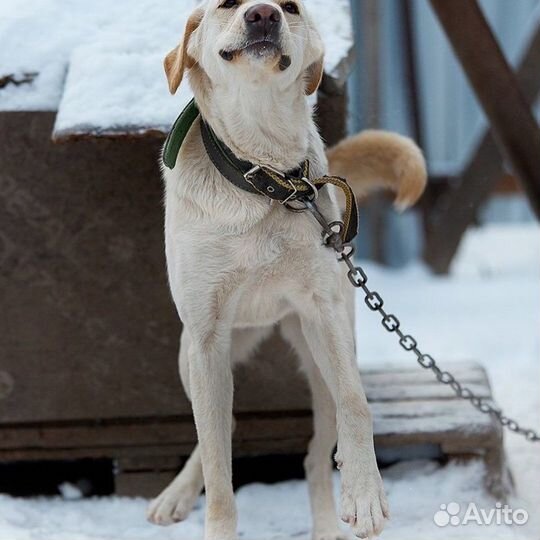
363,501
173,505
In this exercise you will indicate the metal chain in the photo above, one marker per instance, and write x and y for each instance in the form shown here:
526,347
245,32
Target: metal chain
332,237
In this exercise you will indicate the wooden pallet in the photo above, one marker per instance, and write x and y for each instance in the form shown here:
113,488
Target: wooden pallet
414,416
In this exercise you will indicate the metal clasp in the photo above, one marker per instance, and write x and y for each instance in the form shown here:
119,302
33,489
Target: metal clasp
314,191
292,195
313,196
251,173
254,170
258,168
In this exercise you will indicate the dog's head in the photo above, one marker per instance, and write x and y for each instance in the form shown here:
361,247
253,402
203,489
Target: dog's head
264,42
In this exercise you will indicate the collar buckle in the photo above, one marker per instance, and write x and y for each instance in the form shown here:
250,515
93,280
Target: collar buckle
253,171
248,176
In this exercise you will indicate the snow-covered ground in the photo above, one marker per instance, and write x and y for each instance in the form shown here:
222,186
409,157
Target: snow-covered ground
487,310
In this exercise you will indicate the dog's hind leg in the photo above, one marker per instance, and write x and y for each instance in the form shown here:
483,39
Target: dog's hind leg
177,501
318,463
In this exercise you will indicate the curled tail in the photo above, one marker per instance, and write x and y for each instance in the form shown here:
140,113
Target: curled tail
378,159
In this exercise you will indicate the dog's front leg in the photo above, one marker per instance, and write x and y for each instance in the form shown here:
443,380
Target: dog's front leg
211,387
329,333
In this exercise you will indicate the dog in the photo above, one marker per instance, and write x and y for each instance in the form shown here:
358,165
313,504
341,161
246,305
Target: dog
239,264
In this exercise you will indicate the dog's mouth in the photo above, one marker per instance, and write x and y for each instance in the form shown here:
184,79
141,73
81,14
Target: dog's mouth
263,49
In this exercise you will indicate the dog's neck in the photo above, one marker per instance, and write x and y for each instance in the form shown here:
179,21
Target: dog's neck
262,124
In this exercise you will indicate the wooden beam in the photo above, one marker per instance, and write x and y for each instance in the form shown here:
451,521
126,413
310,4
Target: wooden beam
495,84
411,71
459,207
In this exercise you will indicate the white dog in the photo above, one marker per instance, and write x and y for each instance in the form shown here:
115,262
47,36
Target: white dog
240,264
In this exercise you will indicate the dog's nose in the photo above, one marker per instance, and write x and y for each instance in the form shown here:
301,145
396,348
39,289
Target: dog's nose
263,17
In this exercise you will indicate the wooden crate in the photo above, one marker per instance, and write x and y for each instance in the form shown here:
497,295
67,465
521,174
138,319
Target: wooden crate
414,416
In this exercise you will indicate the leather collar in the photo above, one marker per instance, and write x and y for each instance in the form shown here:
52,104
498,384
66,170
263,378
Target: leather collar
258,179
262,180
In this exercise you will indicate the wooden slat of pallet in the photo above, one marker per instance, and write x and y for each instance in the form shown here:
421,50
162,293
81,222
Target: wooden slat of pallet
404,401
409,410
412,372
432,390
393,421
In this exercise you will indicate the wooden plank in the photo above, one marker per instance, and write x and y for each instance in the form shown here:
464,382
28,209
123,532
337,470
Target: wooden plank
453,442
260,447
395,389
153,431
104,452
154,463
414,374
512,121
395,418
411,70
458,209
429,391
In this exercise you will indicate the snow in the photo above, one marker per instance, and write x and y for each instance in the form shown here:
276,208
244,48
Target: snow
70,492
488,310
279,512
116,49
143,104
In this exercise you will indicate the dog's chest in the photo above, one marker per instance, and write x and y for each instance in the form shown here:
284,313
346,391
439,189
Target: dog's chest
276,272
261,306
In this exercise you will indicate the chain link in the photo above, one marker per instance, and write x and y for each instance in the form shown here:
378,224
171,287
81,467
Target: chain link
357,276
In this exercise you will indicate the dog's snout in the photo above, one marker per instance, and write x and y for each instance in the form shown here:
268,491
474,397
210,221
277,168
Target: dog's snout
263,18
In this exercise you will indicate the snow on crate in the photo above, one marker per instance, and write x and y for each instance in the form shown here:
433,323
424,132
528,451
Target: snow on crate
99,101
112,53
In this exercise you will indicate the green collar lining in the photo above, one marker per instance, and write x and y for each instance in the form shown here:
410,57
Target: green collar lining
178,134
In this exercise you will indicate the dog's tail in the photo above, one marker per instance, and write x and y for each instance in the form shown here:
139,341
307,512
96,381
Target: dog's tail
378,159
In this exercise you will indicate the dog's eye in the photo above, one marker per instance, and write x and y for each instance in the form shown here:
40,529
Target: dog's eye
291,7
228,4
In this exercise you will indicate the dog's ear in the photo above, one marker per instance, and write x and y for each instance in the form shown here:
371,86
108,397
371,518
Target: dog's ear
314,75
178,60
